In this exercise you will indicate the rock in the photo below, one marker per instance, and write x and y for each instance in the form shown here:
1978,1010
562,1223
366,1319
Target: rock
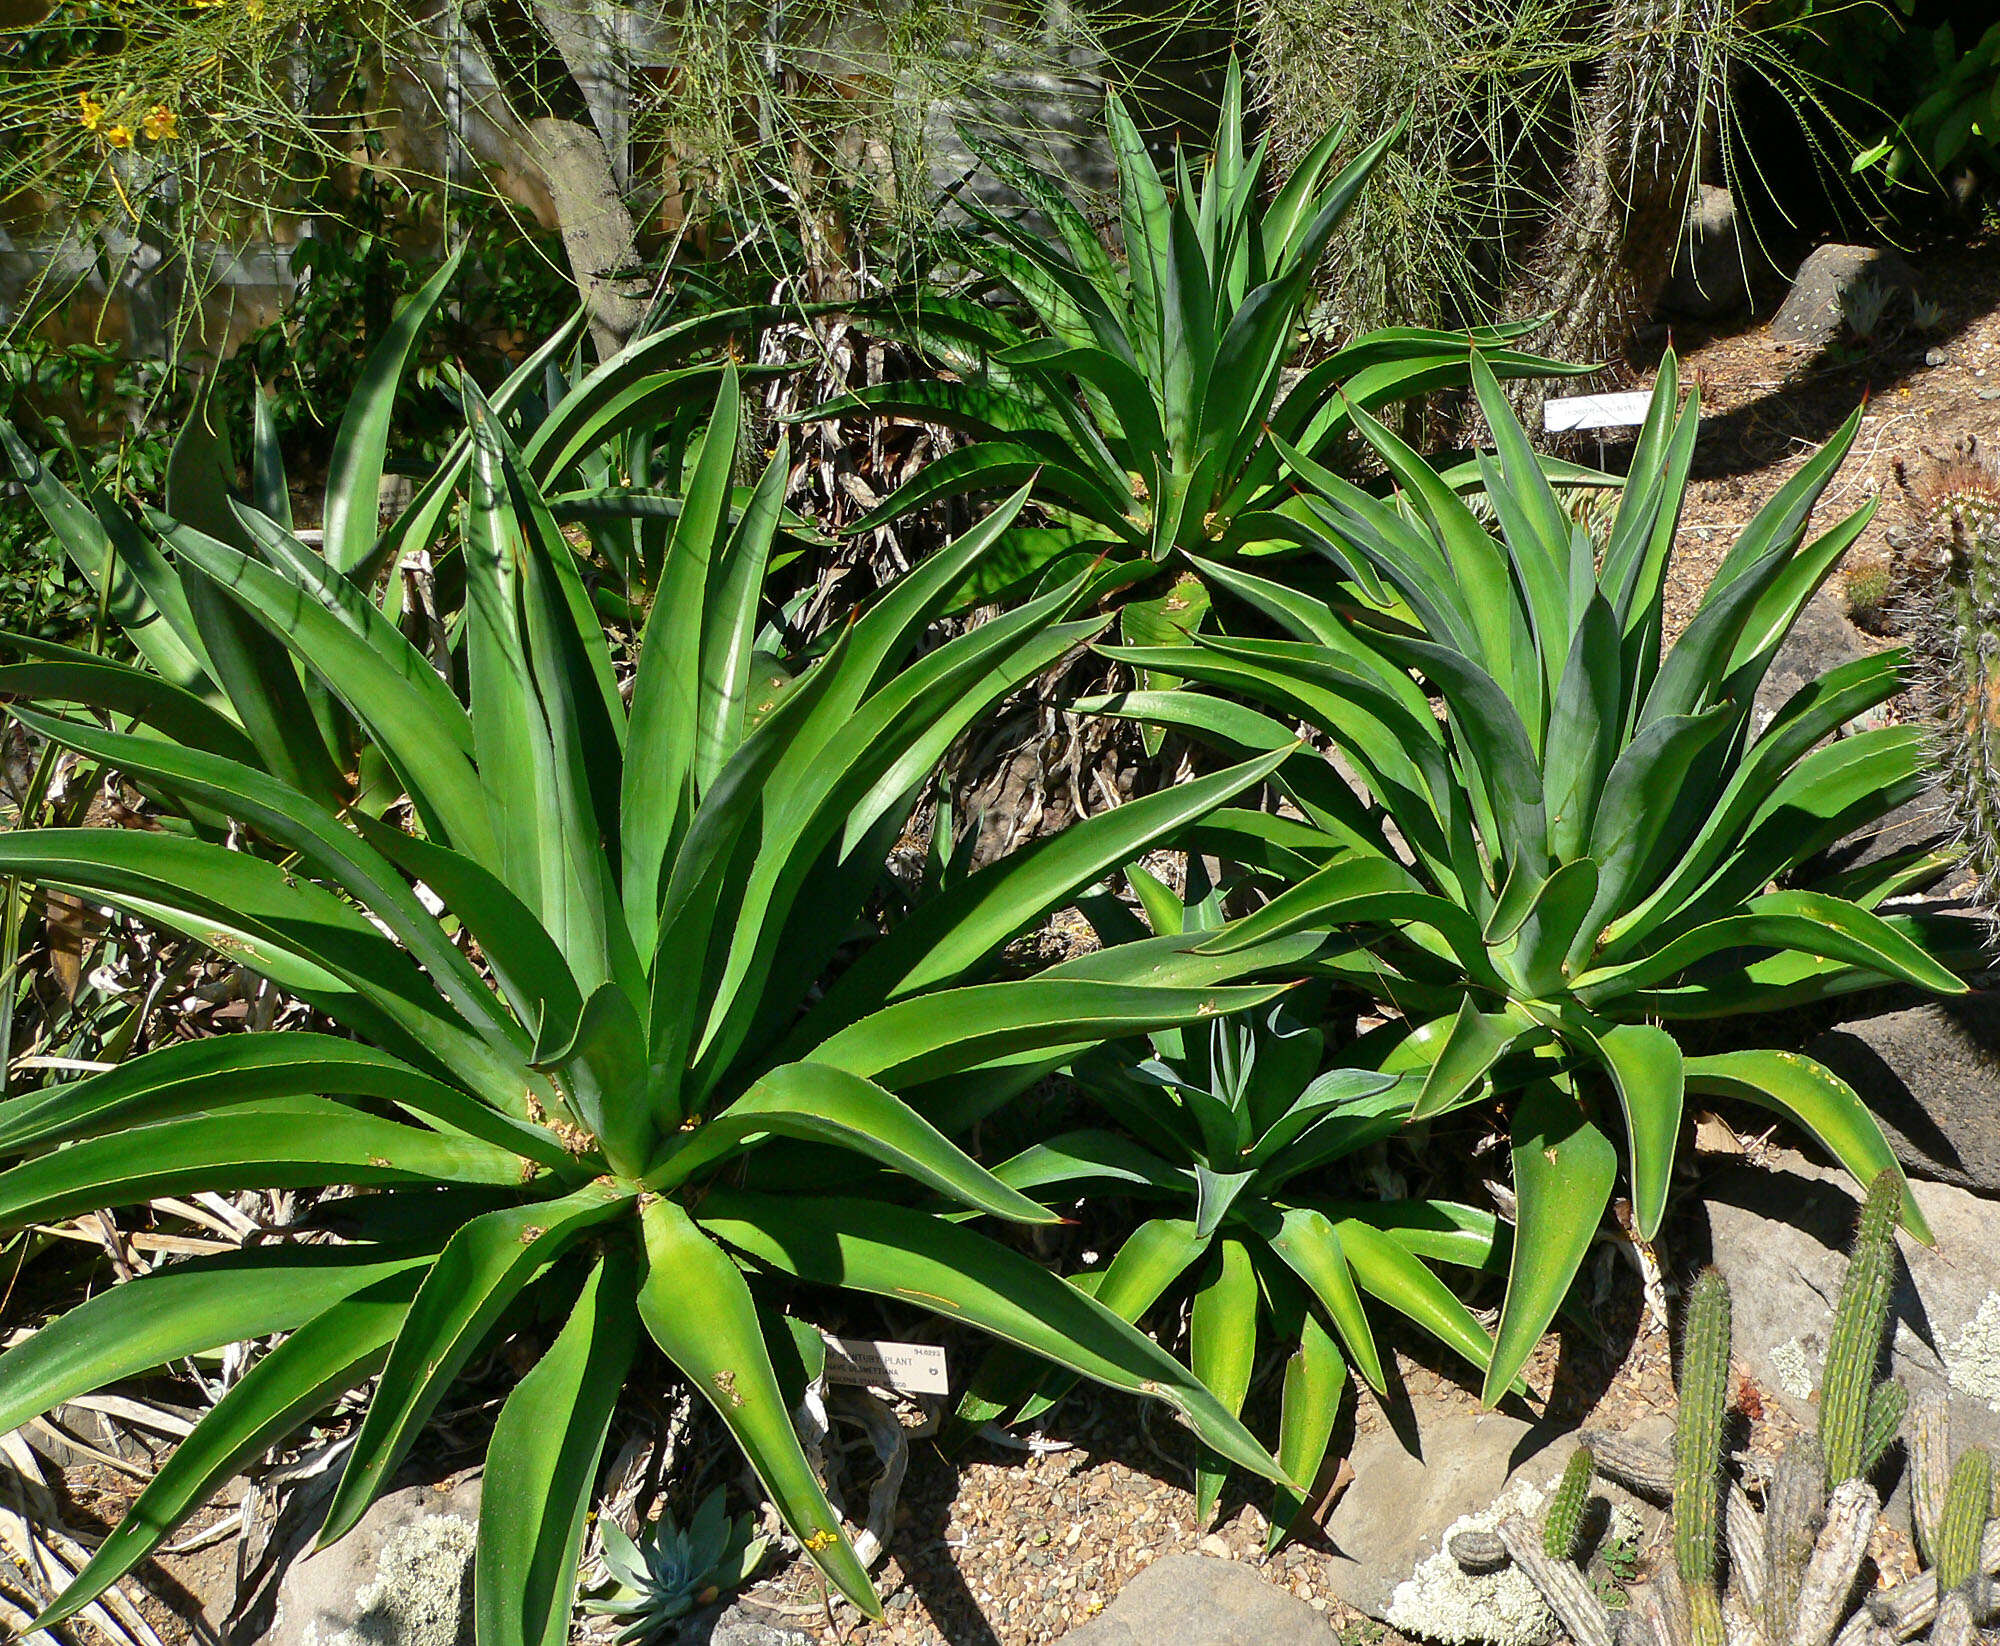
1810,316
402,1577
1708,280
1936,357
740,1623
1389,1528
1821,639
1780,1236
1931,1075
1196,1600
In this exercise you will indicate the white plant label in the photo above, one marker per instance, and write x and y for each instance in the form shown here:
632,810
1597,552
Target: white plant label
1596,411
908,1368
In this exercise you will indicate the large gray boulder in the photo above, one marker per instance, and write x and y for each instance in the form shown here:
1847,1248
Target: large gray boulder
1780,1236
1821,639
1390,1527
1811,315
1197,1600
402,1577
1930,1074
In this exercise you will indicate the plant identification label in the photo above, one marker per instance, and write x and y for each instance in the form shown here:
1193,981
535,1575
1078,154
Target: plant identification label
908,1368
1596,411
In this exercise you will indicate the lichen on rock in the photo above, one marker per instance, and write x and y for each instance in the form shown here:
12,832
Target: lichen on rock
1797,1367
421,1595
1441,1602
1972,1361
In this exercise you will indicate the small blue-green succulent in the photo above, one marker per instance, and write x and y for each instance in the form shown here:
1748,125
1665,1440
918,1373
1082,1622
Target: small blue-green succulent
669,1572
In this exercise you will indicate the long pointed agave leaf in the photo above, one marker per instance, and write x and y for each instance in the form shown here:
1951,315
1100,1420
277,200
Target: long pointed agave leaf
864,770
1387,1269
1222,1345
1644,1063
1315,1382
202,1076
276,808
415,526
294,932
1307,1241
186,1308
1151,1259
385,690
1564,1168
275,1143
481,1270
827,1104
541,1467
697,1307
294,734
525,961
329,1355
61,674
939,1034
962,928
661,782
1818,1099
903,1254
1806,922
360,446
139,590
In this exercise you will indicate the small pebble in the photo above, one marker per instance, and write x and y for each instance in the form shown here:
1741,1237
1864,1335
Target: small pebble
1934,357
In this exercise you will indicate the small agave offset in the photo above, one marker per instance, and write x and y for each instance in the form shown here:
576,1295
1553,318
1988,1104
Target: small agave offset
670,1571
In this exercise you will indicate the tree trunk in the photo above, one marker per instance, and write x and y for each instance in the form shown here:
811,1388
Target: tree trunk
564,163
598,233
1606,249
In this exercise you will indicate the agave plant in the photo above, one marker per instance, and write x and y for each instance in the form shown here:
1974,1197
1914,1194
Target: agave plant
582,960
669,1572
1587,841
1151,395
1221,1129
578,434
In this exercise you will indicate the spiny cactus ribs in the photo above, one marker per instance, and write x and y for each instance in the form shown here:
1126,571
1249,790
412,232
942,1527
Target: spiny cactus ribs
1955,578
1854,1429
1794,1576
1698,1454
1563,1527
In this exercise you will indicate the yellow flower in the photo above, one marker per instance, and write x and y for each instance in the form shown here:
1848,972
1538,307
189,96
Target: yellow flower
119,137
161,123
89,112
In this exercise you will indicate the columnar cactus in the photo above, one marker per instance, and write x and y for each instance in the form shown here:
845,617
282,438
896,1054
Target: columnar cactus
1563,1527
1958,504
1961,1527
1930,1470
1794,1570
1698,1454
1858,1419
